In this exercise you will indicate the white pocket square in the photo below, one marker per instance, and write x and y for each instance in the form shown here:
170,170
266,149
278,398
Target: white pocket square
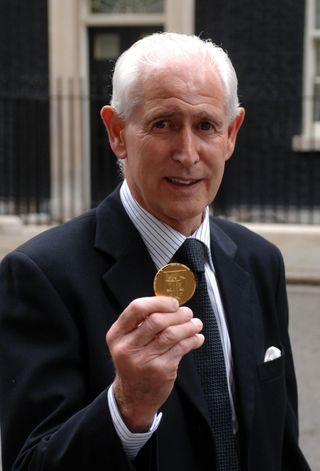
271,354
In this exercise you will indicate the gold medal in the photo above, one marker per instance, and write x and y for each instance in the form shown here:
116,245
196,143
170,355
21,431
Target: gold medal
176,280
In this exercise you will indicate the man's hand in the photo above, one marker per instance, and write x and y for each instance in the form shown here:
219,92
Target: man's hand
147,343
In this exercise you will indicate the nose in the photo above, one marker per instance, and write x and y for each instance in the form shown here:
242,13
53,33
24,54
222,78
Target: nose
185,149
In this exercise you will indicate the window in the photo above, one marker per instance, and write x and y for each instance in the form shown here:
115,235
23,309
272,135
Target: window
174,15
309,140
127,6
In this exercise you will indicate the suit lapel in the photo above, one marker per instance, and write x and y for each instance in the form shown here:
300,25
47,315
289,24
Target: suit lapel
189,381
132,275
131,272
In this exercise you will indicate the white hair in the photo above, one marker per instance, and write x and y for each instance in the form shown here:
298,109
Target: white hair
156,50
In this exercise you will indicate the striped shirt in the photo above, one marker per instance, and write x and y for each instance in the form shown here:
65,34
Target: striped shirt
162,242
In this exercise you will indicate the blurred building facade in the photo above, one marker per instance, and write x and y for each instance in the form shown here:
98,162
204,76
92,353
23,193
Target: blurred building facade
56,58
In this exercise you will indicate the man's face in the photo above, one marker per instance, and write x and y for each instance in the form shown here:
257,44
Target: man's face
175,143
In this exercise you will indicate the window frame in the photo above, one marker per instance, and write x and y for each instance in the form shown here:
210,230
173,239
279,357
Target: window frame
309,139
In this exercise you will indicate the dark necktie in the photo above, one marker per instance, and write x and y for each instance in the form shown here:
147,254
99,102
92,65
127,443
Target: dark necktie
209,359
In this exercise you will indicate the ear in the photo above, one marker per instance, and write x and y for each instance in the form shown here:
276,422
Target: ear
114,126
233,130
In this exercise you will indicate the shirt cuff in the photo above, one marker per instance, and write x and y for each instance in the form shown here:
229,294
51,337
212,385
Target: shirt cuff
131,442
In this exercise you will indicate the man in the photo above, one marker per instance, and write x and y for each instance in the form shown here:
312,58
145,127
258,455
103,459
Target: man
97,373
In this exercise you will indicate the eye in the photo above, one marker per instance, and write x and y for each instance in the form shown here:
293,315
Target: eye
161,124
206,126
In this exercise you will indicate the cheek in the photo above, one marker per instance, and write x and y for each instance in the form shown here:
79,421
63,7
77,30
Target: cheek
216,175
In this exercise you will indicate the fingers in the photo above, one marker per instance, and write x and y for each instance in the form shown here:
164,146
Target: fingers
156,324
183,347
139,309
173,334
165,327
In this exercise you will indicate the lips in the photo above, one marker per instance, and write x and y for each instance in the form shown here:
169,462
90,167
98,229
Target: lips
180,181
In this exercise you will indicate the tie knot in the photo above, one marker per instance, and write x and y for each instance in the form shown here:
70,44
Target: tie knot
191,253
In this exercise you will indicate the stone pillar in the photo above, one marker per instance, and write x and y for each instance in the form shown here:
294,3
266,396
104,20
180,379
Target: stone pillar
70,159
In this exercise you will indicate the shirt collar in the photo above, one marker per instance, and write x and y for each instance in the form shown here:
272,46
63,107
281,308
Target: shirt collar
161,240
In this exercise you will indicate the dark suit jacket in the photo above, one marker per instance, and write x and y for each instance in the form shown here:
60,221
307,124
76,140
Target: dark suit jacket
60,293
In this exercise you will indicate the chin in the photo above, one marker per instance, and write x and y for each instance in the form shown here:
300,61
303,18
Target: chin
183,217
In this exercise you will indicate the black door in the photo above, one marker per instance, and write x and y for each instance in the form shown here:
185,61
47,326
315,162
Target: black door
106,44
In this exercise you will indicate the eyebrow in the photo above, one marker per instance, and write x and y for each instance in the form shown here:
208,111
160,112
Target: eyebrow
159,115
171,113
163,114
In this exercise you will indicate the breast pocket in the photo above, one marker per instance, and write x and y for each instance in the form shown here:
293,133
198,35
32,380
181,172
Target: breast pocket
272,370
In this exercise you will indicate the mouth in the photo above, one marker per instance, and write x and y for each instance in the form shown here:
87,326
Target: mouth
181,182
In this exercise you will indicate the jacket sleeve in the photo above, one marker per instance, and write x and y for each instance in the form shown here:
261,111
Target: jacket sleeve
49,421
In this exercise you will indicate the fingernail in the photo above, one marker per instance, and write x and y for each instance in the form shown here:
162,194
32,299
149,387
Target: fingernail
197,322
187,310
175,303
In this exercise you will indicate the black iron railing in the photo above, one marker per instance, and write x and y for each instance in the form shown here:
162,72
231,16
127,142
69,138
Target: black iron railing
24,155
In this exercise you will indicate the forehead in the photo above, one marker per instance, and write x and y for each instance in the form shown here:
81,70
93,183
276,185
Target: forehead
181,82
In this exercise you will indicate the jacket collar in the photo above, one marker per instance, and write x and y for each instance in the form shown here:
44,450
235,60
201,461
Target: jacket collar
132,270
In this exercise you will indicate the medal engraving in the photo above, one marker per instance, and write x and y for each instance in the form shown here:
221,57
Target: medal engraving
176,280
